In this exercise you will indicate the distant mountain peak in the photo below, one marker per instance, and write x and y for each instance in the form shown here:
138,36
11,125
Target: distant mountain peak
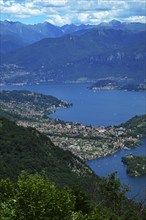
49,24
7,21
114,21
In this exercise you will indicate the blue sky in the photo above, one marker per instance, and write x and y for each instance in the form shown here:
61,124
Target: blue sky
60,12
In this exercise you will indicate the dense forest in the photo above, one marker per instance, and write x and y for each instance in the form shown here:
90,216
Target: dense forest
34,197
27,149
41,181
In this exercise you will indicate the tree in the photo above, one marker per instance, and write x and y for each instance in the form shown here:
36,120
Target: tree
35,198
113,193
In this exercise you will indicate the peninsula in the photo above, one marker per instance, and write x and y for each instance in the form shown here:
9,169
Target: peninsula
136,165
108,84
87,142
29,105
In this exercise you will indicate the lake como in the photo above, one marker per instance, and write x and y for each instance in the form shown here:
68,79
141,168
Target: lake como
100,108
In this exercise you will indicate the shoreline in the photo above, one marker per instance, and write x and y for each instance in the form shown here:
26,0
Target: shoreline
86,142
74,137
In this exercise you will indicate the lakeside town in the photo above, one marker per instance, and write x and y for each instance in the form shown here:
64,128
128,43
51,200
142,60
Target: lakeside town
112,84
87,142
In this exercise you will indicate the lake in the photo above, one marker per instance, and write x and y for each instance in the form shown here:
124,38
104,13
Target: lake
92,107
100,108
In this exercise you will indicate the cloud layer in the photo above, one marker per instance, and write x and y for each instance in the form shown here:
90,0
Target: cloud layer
60,12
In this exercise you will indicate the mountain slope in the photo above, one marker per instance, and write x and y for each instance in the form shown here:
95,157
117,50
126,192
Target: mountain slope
40,31
127,26
27,149
97,53
47,30
10,43
29,33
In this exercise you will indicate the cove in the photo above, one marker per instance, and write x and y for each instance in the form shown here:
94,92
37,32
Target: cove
109,164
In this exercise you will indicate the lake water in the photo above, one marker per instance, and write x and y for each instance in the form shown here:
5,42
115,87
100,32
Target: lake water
105,166
100,108
89,107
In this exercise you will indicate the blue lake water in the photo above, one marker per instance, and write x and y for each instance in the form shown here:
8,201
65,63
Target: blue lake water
89,107
105,166
100,108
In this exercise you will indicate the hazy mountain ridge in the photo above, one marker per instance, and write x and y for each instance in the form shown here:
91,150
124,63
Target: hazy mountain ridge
29,33
97,53
10,43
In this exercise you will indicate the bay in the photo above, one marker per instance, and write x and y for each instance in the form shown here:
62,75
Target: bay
100,108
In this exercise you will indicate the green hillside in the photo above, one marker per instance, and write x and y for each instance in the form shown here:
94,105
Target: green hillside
34,197
136,125
27,149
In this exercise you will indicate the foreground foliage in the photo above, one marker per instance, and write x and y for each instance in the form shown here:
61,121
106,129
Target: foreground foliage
33,197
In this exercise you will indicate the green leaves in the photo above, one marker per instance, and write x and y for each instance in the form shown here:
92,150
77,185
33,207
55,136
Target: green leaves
33,197
38,199
113,193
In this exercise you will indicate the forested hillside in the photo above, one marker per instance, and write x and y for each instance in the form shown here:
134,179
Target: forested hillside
27,149
35,197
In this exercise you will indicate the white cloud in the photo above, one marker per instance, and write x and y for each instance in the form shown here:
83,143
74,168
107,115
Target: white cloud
141,19
76,11
83,17
49,3
58,20
20,11
1,2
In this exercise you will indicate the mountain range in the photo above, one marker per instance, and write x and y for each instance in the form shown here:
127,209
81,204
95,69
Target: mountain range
28,34
71,53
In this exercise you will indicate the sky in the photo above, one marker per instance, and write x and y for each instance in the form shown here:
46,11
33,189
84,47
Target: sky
61,12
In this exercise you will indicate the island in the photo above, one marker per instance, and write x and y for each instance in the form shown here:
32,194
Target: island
136,165
87,142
